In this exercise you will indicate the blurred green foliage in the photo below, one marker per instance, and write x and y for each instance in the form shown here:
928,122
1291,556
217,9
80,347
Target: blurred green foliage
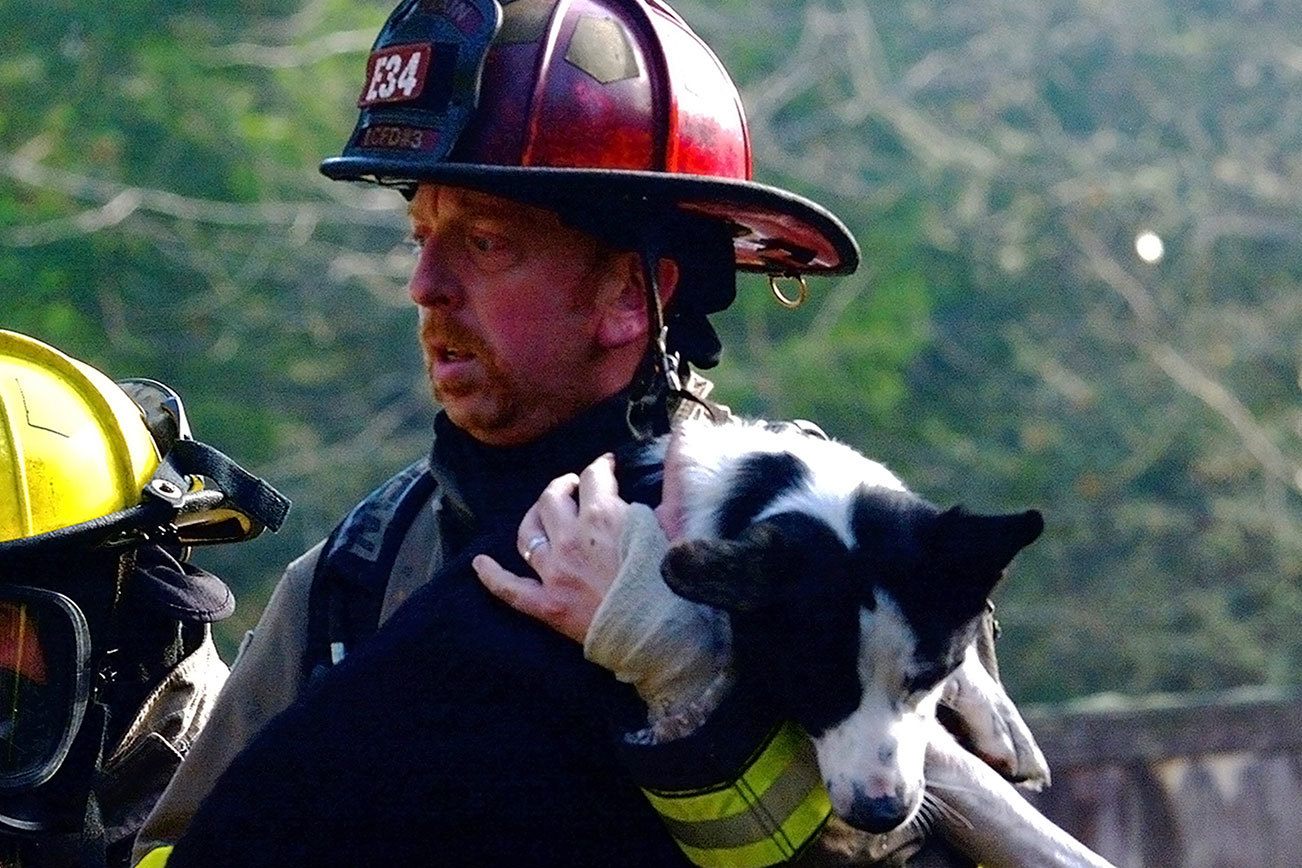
160,215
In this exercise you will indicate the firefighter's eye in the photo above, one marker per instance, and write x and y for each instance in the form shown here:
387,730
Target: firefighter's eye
484,243
491,251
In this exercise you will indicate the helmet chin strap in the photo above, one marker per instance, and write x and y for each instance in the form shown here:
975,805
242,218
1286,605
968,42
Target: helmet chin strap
657,376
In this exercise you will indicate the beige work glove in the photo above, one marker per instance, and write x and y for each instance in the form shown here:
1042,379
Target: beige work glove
673,651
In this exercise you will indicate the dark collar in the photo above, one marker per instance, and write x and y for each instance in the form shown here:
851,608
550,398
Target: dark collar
487,487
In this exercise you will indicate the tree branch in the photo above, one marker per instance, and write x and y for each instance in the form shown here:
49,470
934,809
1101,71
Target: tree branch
290,56
117,201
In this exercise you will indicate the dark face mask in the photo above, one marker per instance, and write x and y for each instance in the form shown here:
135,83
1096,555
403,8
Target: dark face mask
44,682
54,616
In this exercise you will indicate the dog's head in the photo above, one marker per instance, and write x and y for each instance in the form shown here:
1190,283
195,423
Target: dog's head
848,612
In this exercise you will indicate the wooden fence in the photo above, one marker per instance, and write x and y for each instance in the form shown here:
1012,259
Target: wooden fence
1179,782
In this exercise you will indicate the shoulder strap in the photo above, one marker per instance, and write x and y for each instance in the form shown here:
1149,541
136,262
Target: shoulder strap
352,572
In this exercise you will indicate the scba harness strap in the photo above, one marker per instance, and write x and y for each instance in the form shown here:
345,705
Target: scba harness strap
352,573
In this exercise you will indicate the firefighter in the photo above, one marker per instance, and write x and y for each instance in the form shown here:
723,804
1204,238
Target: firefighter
107,664
579,180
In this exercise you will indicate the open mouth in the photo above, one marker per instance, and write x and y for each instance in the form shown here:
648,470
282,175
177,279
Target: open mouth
452,367
450,355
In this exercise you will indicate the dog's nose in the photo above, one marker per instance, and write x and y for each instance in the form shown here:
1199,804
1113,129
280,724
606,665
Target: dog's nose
877,814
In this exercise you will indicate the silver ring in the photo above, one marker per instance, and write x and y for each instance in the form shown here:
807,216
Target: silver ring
533,545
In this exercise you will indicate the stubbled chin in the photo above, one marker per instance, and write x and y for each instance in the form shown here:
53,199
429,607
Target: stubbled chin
459,390
487,420
466,408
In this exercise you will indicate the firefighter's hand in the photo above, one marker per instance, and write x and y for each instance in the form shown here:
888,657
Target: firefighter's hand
572,546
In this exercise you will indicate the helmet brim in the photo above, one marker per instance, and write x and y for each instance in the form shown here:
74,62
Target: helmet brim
774,231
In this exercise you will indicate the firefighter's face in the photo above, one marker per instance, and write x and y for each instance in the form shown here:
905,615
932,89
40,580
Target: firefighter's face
523,320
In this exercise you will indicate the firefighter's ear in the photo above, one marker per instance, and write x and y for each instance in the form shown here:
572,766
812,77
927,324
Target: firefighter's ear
621,299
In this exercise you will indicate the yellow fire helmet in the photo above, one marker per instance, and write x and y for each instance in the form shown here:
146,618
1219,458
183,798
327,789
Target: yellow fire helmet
73,446
89,462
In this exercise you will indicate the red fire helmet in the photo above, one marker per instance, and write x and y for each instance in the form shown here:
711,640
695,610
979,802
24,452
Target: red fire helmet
613,106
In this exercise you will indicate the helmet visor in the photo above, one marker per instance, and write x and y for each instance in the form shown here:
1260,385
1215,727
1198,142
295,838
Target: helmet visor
44,657
209,513
162,408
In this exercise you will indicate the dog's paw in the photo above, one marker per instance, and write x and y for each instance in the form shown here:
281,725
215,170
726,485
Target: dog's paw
992,727
1019,758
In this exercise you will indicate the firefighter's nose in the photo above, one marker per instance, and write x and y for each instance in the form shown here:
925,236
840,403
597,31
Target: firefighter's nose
433,283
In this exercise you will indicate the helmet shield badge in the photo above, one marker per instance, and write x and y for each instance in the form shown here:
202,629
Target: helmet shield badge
422,80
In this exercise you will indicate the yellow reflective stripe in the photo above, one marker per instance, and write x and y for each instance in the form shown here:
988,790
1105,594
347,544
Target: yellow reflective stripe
691,805
766,816
761,812
155,858
797,831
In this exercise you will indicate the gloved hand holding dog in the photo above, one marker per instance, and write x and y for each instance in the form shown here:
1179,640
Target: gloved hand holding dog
572,538
598,561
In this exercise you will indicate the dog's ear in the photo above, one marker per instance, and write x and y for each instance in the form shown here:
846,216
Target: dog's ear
982,546
734,575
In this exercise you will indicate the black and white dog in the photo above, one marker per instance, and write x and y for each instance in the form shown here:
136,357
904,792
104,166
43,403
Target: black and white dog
854,605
